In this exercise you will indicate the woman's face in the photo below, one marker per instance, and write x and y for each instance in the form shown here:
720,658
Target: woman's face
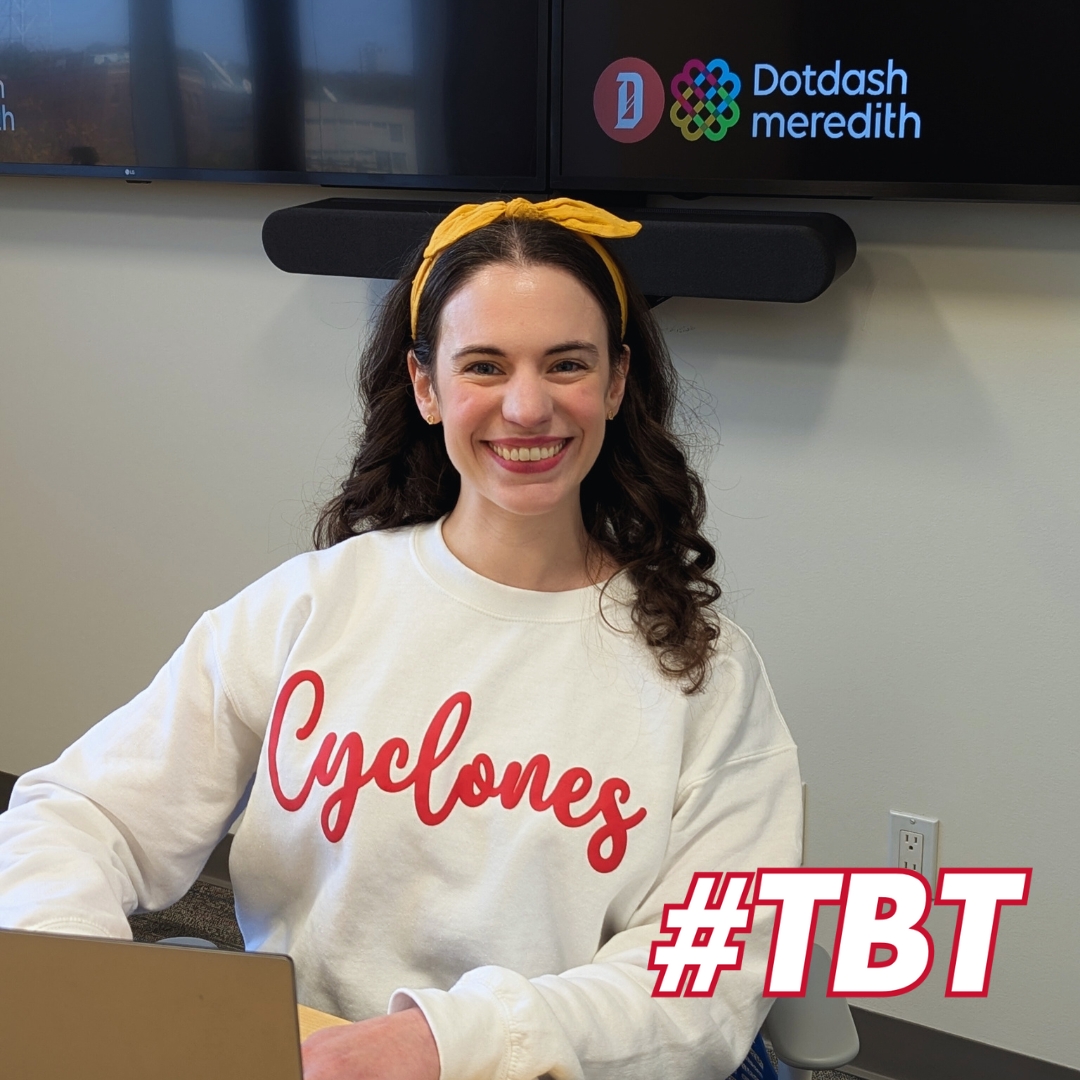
522,386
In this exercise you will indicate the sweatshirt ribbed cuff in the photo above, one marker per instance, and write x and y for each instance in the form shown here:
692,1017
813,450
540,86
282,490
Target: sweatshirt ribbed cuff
74,927
470,1028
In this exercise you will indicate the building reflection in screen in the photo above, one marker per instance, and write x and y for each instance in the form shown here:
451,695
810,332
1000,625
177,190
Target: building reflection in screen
361,85
376,87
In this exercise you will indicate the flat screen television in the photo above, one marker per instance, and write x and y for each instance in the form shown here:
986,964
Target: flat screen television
818,97
782,97
386,93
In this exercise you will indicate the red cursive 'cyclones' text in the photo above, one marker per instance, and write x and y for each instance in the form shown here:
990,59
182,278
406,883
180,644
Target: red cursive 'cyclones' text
476,780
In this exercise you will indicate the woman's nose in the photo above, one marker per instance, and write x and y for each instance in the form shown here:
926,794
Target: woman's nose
527,402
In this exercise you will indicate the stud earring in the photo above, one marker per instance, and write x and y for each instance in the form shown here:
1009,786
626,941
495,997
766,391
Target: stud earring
431,418
611,415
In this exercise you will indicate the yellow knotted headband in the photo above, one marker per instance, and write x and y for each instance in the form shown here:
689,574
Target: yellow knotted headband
583,218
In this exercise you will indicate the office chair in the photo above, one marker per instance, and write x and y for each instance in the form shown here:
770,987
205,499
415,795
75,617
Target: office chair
815,1031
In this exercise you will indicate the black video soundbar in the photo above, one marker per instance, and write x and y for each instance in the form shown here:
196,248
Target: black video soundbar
723,254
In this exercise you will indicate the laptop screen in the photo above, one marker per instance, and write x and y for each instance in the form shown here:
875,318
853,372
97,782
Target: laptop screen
111,1010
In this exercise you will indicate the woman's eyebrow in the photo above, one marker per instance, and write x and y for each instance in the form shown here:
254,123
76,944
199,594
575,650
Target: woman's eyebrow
492,350
482,350
572,346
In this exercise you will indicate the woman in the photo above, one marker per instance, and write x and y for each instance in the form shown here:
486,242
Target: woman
484,733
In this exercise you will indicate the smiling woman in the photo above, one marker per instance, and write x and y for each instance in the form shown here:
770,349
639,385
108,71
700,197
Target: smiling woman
526,338
487,732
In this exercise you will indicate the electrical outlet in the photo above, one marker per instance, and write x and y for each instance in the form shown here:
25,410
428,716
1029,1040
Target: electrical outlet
913,844
911,850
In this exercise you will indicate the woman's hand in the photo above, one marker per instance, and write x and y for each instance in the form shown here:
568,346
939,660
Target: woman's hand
395,1047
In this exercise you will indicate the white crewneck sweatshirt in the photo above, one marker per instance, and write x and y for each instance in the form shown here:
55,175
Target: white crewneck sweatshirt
460,796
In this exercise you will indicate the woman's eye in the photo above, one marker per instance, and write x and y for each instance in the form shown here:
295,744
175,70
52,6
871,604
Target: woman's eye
483,367
568,365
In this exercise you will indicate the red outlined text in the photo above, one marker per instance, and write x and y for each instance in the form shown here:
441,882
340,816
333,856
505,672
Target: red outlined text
798,896
979,895
882,947
690,964
882,910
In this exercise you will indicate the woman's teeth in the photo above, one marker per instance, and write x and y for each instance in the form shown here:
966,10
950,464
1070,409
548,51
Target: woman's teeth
527,453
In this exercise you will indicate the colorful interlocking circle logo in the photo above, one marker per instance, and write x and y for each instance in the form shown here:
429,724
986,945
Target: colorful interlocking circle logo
628,100
705,100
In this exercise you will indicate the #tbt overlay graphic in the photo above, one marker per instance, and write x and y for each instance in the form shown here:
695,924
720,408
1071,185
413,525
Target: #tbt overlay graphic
881,949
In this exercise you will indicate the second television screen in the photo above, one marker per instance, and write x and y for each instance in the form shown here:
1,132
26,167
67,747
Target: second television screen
818,96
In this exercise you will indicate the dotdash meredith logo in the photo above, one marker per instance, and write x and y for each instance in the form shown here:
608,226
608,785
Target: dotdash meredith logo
705,100
628,100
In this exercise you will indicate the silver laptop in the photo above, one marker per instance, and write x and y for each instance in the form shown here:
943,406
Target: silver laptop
78,1008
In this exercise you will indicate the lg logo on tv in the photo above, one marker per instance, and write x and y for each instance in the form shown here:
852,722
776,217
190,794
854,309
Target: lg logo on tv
629,101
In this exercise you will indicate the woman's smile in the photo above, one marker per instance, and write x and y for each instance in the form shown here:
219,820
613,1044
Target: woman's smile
528,455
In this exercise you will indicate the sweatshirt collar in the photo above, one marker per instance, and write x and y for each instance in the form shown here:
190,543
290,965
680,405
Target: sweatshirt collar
444,568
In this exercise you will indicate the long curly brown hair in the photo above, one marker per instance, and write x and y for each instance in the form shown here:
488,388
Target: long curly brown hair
642,503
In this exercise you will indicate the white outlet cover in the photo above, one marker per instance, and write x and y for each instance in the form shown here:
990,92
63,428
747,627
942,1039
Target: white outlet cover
900,821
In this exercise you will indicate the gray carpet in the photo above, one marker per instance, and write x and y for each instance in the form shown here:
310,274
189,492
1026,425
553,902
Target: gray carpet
206,911
820,1074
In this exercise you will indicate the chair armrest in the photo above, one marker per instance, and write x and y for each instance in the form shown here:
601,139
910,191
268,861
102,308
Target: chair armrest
187,942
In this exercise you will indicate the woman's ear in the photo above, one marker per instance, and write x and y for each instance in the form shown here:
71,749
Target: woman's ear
617,384
423,390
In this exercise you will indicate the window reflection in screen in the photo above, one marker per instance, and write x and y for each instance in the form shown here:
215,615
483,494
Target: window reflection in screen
381,88
359,112
214,76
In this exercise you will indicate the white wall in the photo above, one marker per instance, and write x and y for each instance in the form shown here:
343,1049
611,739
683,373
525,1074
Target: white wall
896,494
170,403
